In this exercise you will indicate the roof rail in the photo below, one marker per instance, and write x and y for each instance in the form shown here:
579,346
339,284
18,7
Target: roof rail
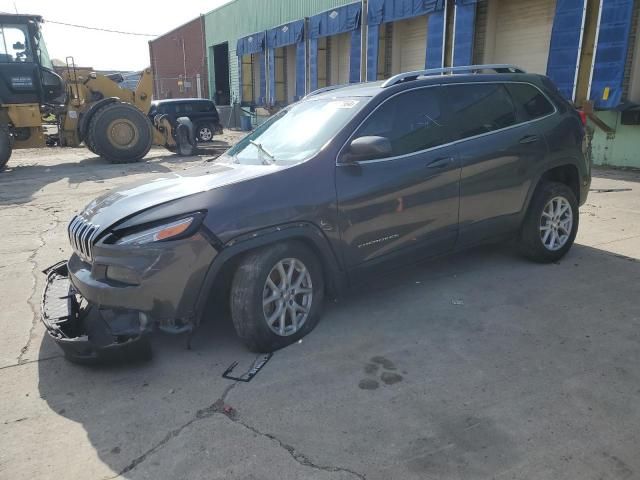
408,76
326,89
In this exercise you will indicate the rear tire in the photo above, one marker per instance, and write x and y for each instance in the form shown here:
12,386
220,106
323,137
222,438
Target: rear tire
5,146
120,133
205,132
551,224
259,293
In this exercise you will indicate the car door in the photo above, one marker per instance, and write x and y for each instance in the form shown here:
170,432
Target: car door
498,151
406,202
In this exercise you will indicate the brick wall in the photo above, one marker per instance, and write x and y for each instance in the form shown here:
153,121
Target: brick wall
177,57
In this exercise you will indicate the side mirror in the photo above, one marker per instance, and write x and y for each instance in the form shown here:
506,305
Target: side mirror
368,148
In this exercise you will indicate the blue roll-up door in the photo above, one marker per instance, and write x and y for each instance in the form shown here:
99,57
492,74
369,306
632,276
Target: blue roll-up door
436,33
385,11
291,33
300,70
333,23
271,63
253,45
464,30
263,79
313,64
354,56
611,52
566,44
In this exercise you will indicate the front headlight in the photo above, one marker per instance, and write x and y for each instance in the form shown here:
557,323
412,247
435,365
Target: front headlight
158,233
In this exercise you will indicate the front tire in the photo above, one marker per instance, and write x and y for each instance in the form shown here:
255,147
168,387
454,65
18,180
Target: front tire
120,133
276,296
551,224
5,146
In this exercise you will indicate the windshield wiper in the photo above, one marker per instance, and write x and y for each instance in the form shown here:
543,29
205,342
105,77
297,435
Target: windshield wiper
259,146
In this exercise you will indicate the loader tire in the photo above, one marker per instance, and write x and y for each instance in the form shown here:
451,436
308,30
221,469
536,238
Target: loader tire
5,146
120,133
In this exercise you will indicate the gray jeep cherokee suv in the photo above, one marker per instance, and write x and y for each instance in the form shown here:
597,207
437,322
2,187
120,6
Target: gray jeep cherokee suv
347,181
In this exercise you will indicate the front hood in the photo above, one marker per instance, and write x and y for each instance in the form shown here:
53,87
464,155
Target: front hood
131,199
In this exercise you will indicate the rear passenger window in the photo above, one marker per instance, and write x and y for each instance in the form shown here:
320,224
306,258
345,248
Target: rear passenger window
412,121
479,108
532,103
205,107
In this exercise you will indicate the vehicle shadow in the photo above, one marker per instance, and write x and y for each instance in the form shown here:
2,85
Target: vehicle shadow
128,410
624,174
19,182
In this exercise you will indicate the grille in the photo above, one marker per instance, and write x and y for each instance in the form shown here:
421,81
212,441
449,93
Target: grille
81,235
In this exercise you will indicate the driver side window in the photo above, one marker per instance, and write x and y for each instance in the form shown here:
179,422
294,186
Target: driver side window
412,121
14,46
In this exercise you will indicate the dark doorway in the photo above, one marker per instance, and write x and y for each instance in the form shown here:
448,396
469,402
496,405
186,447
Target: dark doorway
222,94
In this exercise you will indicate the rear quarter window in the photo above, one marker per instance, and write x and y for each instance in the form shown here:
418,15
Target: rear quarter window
204,107
478,108
530,101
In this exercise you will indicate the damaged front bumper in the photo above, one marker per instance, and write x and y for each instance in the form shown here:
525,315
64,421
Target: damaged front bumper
85,332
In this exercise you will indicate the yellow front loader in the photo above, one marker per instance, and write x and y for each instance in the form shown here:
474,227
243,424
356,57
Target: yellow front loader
85,107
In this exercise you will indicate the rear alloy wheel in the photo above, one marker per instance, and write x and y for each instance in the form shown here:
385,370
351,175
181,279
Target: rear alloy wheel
205,133
5,146
276,296
120,132
551,224
556,223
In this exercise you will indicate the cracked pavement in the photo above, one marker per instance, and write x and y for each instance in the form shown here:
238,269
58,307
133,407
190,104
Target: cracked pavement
479,365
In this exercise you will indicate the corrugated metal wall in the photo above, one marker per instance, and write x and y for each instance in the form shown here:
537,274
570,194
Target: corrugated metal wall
243,17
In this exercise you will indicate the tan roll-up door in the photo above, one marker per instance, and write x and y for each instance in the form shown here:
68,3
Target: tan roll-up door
522,30
409,45
340,46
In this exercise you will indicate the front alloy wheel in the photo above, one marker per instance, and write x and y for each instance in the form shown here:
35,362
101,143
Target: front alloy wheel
276,295
287,297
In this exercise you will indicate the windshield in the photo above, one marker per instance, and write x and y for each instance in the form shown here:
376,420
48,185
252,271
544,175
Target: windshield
296,133
41,51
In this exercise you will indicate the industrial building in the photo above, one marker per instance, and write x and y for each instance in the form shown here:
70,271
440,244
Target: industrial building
265,54
179,62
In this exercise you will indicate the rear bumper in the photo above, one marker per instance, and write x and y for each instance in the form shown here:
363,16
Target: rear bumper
86,333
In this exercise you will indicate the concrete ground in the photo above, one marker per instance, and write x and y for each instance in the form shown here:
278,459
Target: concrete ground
480,365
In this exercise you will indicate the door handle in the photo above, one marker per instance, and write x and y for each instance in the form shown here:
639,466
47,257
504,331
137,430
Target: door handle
440,163
529,139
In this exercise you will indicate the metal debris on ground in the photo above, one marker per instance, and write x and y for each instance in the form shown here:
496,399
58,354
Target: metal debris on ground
253,371
610,190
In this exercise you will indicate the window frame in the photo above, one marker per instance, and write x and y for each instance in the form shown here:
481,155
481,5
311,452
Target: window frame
341,152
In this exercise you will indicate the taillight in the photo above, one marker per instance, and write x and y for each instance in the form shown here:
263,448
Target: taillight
583,117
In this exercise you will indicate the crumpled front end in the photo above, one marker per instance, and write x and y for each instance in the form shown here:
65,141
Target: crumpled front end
85,332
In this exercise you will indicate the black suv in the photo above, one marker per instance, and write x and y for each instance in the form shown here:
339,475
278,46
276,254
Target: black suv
342,183
202,113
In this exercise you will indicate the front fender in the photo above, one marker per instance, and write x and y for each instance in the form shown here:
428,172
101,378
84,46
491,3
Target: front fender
335,277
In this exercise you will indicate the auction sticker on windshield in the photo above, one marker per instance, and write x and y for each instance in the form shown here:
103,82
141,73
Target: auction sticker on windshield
344,104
